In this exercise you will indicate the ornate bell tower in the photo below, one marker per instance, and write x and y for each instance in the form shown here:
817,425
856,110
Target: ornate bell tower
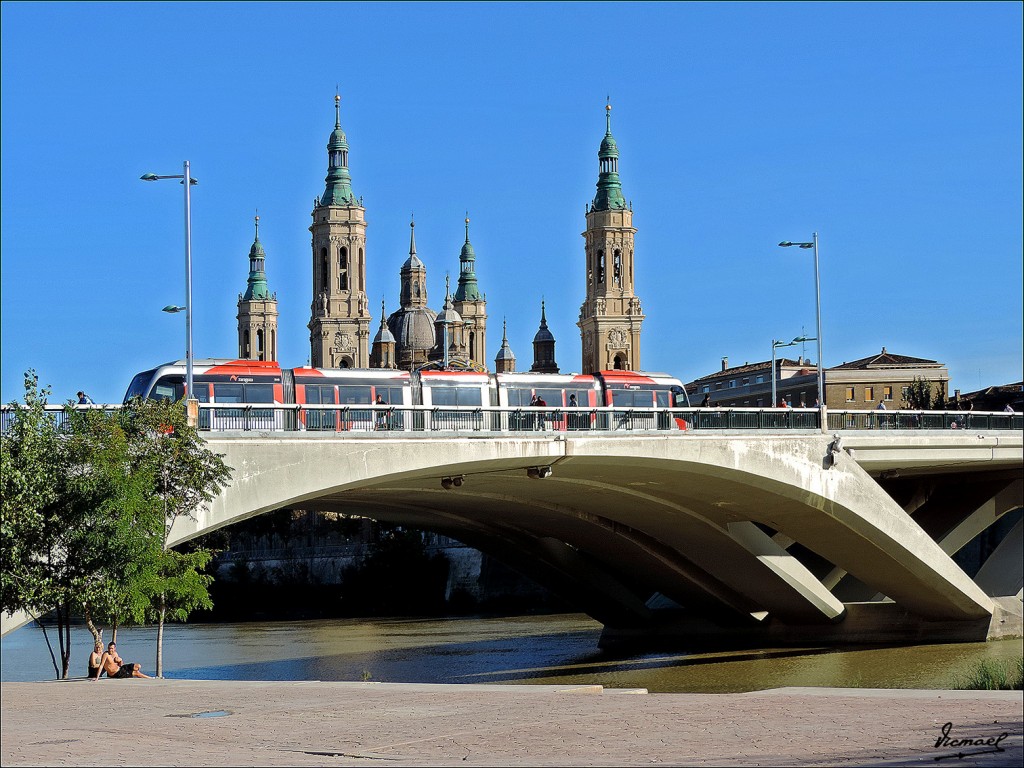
257,309
610,317
339,326
471,305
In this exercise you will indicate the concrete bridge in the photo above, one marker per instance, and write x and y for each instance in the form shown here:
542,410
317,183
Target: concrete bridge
742,537
747,527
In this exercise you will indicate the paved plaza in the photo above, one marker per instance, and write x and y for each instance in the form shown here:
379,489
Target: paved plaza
154,722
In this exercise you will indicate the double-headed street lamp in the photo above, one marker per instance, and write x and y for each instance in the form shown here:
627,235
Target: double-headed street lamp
190,392
776,345
817,304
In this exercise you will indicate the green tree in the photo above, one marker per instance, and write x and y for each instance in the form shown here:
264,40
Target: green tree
87,511
185,477
28,462
921,397
69,500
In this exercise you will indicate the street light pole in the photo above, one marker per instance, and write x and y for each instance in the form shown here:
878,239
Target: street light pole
817,307
187,181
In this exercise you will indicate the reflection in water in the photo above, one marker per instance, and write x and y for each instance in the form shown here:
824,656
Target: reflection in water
532,649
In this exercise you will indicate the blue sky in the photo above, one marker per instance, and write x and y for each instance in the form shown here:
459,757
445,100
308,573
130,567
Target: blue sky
893,130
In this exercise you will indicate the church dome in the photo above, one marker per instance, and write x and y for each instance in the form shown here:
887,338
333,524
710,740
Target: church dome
338,139
384,335
543,334
413,328
608,147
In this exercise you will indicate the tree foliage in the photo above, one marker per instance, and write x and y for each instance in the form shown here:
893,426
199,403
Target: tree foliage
921,396
87,511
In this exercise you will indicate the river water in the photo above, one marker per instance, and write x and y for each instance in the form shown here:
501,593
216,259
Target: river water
559,649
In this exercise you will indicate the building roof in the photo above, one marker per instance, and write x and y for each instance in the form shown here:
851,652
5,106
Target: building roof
505,353
740,370
886,359
609,188
467,290
256,286
339,183
543,333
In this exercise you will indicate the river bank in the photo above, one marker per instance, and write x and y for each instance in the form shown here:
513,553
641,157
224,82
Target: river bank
545,650
154,722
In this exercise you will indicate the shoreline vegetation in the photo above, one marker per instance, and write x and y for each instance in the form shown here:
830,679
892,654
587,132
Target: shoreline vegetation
991,675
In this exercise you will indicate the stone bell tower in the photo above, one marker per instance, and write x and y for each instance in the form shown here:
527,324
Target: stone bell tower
471,305
610,317
257,309
339,326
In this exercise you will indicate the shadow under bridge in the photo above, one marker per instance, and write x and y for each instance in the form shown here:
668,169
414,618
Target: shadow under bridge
616,524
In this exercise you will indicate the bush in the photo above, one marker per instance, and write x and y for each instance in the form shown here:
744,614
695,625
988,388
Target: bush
990,675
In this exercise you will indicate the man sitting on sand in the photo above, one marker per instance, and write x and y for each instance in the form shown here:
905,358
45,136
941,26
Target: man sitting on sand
115,667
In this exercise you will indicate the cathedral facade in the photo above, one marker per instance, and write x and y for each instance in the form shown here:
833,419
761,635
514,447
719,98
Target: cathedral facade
414,336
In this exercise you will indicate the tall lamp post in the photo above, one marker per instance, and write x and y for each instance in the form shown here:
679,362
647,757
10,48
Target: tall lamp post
192,412
817,305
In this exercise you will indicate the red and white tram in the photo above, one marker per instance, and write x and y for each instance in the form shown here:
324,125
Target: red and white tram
459,396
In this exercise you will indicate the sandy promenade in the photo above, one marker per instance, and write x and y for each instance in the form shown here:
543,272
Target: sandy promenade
151,722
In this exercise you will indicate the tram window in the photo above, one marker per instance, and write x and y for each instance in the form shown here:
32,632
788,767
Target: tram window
442,395
551,396
632,398
317,395
518,397
138,386
354,393
582,396
259,393
228,393
391,395
622,398
661,398
164,390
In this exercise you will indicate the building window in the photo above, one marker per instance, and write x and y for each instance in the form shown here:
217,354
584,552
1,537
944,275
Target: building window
732,383
718,385
869,394
705,389
887,393
759,380
343,269
849,395
745,381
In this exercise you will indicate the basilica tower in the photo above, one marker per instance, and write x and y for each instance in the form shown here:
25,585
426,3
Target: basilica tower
339,326
257,309
610,317
471,305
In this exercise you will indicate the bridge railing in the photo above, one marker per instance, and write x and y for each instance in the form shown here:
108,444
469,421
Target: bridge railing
912,420
342,419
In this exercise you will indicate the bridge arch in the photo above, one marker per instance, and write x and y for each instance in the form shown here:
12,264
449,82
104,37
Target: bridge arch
702,520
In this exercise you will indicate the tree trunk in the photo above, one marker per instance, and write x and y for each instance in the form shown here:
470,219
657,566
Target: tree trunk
64,639
67,636
46,637
160,637
113,631
97,634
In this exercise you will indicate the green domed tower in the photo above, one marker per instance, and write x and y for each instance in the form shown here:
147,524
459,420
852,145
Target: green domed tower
471,305
257,309
339,325
610,317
